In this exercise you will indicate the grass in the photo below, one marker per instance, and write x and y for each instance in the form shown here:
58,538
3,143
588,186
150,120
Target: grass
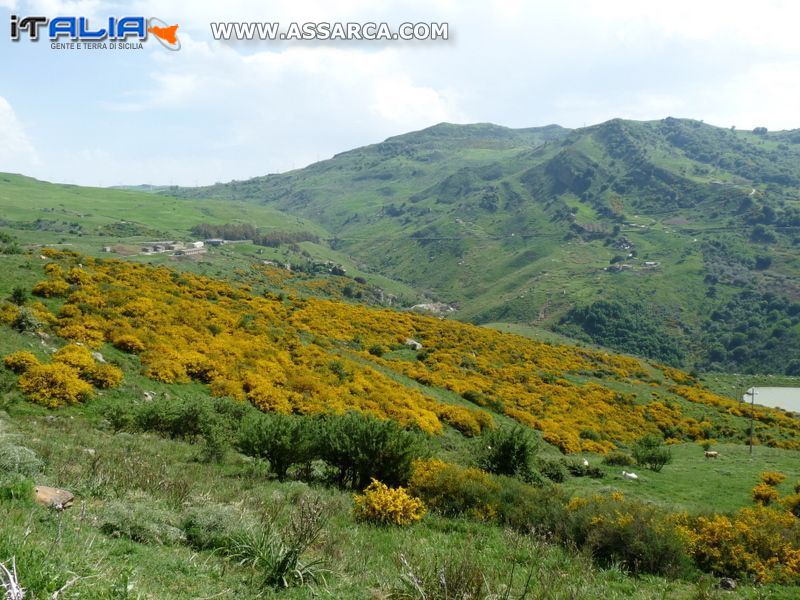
87,219
160,481
694,483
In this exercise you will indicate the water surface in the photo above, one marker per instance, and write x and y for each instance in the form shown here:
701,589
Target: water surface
787,398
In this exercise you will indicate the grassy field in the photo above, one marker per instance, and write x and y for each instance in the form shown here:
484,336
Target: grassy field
694,483
87,219
149,485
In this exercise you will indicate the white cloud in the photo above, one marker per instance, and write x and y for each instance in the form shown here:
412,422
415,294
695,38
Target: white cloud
397,100
17,153
243,109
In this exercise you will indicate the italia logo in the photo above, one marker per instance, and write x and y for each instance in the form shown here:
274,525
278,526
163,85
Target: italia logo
114,32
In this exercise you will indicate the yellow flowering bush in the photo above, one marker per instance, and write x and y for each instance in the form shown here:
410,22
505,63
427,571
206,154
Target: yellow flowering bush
308,355
9,313
104,376
764,494
792,503
128,343
383,505
54,385
50,288
81,332
21,361
78,357
758,542
772,477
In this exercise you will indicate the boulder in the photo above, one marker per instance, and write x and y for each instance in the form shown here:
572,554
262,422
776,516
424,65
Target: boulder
726,583
413,344
54,497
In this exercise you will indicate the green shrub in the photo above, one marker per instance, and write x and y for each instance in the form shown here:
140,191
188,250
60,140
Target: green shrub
637,536
650,452
526,508
27,321
362,448
18,459
618,458
452,490
508,451
377,350
121,415
214,420
212,526
143,523
283,440
577,468
552,468
19,295
590,434
175,418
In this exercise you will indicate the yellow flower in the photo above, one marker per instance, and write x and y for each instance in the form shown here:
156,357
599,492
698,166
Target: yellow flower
383,505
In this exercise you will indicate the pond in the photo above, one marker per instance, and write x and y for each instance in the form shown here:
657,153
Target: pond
787,398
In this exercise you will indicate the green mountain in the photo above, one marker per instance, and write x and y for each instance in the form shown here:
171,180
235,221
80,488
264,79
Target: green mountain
673,239
213,418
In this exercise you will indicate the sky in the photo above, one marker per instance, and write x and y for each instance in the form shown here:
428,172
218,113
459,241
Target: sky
218,111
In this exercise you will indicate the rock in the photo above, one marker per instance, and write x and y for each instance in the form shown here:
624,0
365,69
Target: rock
726,583
413,344
54,497
149,396
90,451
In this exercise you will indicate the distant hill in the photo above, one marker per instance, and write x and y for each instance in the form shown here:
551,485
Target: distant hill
619,233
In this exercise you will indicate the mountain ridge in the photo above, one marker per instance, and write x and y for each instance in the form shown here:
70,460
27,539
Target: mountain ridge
476,215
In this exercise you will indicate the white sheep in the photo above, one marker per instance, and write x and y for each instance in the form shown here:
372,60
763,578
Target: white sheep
631,476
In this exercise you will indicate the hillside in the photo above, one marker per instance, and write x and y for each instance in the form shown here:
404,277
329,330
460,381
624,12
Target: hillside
619,233
291,355
211,430
91,220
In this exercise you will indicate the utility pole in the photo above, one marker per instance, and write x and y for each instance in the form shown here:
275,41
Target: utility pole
752,391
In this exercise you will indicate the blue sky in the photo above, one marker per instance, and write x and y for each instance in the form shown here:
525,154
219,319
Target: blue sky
215,112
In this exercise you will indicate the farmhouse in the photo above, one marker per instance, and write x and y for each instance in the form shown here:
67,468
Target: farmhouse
157,247
194,251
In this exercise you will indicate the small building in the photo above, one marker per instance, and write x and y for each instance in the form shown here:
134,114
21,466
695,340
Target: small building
191,251
157,247
215,242
197,244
